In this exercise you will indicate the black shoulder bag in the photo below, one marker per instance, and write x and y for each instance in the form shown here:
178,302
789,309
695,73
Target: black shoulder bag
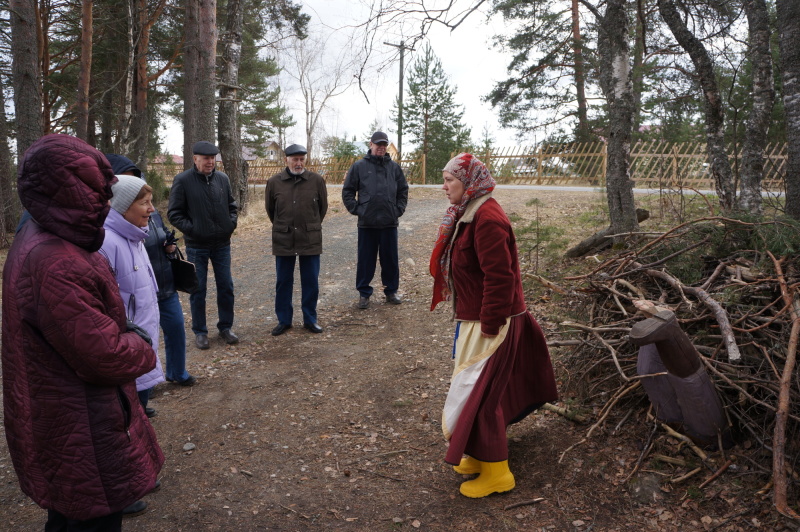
183,274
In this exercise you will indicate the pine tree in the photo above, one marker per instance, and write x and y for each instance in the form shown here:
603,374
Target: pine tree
432,120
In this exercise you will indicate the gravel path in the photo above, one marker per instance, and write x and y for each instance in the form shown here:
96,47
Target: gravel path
254,266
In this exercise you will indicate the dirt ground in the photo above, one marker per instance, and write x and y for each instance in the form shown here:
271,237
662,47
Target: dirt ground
341,430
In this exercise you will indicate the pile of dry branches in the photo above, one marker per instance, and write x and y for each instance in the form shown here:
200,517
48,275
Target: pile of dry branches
734,287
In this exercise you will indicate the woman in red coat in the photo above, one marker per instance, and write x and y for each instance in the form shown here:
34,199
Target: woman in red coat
502,366
78,437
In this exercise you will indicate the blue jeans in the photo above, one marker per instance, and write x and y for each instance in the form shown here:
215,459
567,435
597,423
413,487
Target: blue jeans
221,262
171,319
374,244
309,286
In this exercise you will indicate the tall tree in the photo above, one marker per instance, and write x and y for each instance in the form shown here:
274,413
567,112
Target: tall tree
262,112
26,77
548,48
200,85
321,76
789,29
230,138
82,103
582,133
137,133
615,80
763,97
714,112
431,118
9,201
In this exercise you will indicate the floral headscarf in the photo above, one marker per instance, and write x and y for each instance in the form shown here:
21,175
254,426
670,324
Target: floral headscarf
477,182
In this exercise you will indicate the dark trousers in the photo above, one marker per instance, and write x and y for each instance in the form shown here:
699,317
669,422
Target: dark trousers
144,396
374,244
309,287
221,262
57,522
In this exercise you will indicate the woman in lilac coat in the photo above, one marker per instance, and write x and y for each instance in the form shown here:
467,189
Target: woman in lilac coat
126,230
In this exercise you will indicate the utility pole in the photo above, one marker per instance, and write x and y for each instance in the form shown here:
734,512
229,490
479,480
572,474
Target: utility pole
402,48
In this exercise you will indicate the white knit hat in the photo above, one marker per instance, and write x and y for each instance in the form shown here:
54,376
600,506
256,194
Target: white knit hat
125,191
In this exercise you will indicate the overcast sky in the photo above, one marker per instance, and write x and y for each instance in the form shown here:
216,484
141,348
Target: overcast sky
468,58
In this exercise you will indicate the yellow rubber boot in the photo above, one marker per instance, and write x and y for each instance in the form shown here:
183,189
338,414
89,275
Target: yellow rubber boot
468,466
495,477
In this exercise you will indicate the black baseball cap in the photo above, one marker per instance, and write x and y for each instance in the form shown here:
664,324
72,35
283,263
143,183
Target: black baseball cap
379,137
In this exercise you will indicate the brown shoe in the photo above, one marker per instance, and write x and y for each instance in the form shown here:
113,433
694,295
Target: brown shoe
363,302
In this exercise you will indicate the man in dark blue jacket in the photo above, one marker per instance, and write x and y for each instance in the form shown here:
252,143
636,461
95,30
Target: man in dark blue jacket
376,191
202,207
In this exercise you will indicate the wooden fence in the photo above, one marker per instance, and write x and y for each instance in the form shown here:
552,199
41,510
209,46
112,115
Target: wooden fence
654,164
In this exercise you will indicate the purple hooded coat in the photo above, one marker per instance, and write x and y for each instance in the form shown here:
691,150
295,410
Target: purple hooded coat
79,440
124,249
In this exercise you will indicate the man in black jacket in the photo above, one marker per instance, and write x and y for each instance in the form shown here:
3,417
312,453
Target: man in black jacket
376,191
202,207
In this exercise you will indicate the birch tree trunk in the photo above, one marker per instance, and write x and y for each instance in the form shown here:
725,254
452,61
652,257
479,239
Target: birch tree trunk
639,46
755,139
85,76
229,129
26,76
615,81
789,29
715,119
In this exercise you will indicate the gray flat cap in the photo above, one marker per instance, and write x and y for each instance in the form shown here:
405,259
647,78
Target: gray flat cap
204,148
295,149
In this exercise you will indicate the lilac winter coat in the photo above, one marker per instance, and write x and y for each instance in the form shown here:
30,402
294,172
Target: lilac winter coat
124,248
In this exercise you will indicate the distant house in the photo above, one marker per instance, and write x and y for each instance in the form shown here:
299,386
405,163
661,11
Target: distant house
272,152
169,159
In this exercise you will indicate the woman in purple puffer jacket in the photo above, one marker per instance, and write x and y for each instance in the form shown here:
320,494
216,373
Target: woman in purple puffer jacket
126,230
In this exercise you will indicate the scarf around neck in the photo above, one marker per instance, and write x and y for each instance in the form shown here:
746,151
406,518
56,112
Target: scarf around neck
477,182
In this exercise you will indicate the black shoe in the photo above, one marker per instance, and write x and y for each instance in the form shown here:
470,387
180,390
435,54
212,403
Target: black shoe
156,487
363,302
229,337
201,340
313,327
150,412
191,381
393,298
280,329
135,508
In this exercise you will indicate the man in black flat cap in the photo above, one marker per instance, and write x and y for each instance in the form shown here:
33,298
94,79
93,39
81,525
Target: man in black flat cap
202,207
296,201
376,191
